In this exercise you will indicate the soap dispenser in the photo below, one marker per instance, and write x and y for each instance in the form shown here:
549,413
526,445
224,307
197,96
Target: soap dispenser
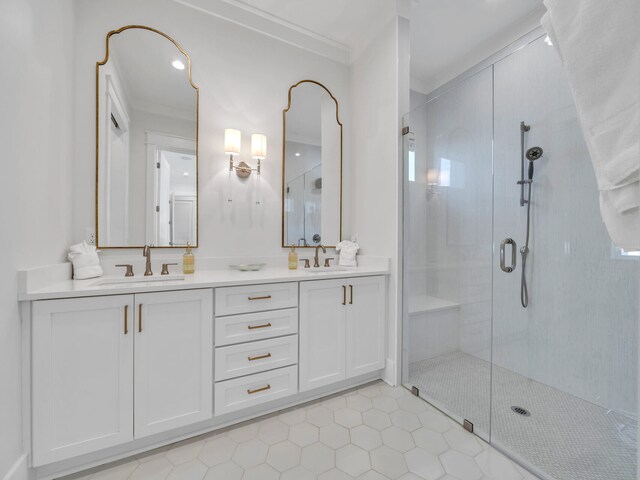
188,261
293,258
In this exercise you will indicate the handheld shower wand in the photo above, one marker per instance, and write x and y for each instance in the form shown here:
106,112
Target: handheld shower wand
533,154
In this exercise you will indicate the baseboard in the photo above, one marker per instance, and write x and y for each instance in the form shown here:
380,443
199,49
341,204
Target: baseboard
19,471
389,374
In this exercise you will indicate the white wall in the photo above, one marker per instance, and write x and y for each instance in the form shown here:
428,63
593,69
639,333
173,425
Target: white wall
243,77
36,127
379,96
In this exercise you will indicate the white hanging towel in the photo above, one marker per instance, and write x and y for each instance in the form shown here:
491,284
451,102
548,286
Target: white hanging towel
86,263
599,43
348,251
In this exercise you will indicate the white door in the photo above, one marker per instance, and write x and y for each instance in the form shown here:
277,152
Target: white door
82,377
183,219
173,360
366,323
322,333
163,206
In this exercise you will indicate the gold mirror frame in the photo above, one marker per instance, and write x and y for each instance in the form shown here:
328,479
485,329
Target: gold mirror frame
284,143
103,62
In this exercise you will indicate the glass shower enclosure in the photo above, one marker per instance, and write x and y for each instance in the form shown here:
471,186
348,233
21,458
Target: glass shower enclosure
553,385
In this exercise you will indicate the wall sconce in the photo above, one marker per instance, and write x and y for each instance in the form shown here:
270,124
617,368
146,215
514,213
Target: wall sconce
232,146
433,181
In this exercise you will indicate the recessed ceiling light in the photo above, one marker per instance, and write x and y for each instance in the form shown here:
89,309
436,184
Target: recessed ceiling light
548,41
186,174
297,154
177,64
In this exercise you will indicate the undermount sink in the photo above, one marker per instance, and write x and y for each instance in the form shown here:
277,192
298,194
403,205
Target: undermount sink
140,280
327,270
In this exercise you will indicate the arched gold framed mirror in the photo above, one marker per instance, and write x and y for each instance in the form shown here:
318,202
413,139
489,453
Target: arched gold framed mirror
311,167
146,142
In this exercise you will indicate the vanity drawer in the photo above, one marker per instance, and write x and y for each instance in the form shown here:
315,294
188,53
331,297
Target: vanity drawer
254,357
255,298
255,326
244,392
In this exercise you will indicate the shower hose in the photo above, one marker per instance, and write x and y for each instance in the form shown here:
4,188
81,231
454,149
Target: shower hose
524,251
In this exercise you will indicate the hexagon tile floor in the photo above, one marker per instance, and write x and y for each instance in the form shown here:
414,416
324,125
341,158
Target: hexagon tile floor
372,433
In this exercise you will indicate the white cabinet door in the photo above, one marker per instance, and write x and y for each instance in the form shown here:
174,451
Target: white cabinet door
366,323
173,360
322,333
82,376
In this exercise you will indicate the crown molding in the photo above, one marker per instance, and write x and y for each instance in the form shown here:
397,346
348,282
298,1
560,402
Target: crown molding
263,22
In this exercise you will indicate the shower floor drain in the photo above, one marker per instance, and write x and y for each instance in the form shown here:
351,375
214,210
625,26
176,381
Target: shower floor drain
521,411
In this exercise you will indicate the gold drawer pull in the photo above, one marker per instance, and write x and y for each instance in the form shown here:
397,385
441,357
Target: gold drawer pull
126,319
259,357
251,392
253,327
265,297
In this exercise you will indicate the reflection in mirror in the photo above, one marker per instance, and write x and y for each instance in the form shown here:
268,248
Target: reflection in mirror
312,167
147,142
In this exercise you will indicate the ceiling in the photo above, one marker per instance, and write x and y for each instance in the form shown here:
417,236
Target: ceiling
450,36
181,163
447,36
352,23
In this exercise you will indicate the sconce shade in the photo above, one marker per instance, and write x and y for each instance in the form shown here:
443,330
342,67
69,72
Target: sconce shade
433,176
232,141
259,146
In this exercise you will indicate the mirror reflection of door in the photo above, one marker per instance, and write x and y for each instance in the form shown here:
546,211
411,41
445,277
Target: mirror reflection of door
147,142
312,167
171,191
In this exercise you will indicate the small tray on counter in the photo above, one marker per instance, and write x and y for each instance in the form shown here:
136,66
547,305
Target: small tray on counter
248,267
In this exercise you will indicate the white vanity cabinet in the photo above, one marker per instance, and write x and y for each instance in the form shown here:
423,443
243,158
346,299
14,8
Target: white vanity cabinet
98,363
137,368
173,360
256,353
82,375
342,329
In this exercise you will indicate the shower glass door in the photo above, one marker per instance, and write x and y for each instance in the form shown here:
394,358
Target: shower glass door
564,368
448,218
553,385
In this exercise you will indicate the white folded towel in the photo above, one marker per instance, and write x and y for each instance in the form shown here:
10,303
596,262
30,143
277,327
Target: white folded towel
599,44
86,263
348,251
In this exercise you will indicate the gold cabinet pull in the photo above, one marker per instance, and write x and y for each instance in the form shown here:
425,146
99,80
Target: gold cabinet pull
253,327
140,318
259,357
344,294
251,392
264,297
126,319
350,294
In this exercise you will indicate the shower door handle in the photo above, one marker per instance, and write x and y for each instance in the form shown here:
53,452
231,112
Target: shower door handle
503,245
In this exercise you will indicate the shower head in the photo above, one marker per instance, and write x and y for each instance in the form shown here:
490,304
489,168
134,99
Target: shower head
534,153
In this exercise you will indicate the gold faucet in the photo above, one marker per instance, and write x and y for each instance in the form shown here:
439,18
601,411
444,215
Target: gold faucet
316,262
146,252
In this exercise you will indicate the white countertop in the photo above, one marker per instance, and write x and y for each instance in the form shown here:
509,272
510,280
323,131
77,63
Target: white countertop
201,279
